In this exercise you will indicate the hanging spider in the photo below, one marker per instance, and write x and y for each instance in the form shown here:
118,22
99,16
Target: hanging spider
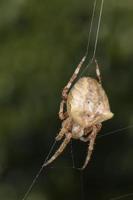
87,107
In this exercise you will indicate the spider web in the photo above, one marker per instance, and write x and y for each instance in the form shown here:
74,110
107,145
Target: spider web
73,166
113,132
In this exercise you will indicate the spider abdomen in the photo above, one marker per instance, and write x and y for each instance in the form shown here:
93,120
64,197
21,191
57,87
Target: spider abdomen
87,102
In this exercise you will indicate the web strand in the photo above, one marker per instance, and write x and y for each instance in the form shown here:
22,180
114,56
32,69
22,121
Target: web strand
38,173
90,29
122,196
72,155
98,28
118,131
73,166
82,185
97,34
115,131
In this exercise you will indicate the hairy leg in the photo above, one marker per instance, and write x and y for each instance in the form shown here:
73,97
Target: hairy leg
92,138
66,127
61,134
74,76
98,72
62,114
60,149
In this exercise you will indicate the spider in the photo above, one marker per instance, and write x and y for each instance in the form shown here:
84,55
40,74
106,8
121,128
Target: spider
83,109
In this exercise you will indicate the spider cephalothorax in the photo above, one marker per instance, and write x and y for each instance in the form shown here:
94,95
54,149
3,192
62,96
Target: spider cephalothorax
87,107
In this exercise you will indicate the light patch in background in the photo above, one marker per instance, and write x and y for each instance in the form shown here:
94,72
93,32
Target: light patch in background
9,10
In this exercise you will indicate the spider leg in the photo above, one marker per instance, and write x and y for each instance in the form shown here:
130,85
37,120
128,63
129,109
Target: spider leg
60,149
66,127
74,76
62,114
60,134
98,72
92,138
86,136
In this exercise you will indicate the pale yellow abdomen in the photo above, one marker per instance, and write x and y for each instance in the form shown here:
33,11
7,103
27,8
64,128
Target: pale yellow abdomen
87,103
76,103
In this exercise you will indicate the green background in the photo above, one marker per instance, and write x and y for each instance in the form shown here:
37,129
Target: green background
41,43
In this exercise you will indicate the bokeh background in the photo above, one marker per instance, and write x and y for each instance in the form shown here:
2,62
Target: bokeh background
41,43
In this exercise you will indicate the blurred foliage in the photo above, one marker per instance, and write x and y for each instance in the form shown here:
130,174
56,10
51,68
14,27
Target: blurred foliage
41,42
